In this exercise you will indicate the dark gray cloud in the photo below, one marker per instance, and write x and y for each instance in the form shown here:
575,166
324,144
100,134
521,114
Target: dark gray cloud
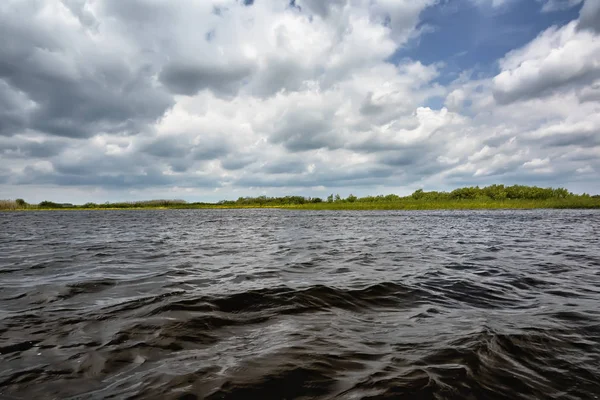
415,162
281,74
369,107
23,148
5,175
85,17
210,150
141,13
496,140
579,139
93,164
284,166
374,144
403,158
13,118
310,140
116,178
590,93
234,162
302,130
582,155
545,84
32,176
73,89
167,148
589,16
181,153
320,7
366,175
180,147
188,79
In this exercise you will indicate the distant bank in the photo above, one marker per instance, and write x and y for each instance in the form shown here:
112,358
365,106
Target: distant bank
490,197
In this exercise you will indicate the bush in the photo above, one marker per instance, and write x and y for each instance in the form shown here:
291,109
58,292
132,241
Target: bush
49,204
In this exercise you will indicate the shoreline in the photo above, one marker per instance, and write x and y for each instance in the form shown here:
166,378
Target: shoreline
341,207
491,197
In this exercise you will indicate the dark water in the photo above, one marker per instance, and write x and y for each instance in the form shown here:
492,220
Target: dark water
277,304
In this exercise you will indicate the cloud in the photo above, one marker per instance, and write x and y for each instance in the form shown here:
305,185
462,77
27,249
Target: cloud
582,133
491,3
589,16
220,98
558,5
456,99
235,162
13,110
202,147
307,125
284,166
557,58
320,8
590,93
16,147
64,77
189,79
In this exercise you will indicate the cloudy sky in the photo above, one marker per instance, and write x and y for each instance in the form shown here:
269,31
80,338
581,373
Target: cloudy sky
214,99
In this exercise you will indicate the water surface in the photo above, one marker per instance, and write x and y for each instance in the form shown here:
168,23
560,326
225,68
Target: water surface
274,304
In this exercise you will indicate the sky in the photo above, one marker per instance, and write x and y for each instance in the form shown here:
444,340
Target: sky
204,100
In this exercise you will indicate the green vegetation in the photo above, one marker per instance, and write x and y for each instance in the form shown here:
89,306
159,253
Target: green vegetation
490,197
138,204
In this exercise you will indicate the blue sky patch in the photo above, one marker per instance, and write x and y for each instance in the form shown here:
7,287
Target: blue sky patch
467,36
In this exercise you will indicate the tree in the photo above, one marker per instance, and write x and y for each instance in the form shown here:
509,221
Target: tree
338,198
561,193
352,198
49,204
330,198
21,202
418,194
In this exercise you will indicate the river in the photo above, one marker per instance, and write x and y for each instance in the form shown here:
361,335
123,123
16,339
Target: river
283,304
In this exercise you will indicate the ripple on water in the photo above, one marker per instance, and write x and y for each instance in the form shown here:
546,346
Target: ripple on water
272,304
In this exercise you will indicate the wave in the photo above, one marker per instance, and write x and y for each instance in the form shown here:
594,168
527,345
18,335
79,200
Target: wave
252,304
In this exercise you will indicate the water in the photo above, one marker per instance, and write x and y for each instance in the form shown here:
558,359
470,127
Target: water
279,304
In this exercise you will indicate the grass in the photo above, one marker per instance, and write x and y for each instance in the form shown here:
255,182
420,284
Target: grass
471,198
467,204
402,204
11,205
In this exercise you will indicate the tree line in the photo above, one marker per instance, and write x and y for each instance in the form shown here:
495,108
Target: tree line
492,193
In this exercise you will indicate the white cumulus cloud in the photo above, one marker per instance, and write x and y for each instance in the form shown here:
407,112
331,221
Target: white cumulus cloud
216,99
